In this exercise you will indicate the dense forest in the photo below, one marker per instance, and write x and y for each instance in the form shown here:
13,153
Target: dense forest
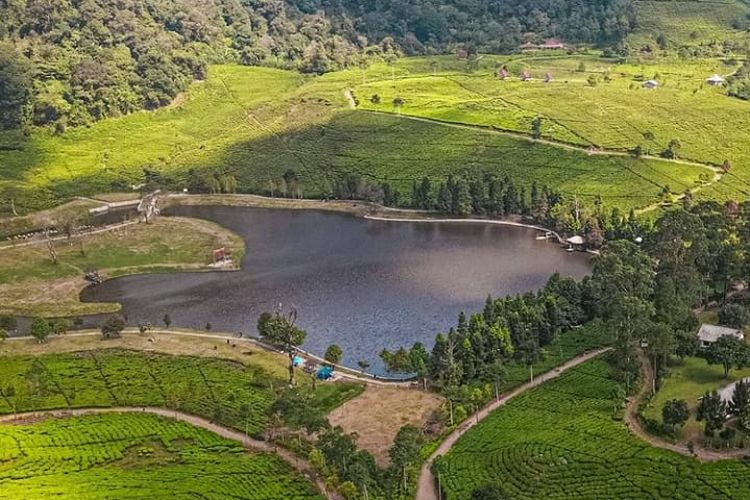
70,62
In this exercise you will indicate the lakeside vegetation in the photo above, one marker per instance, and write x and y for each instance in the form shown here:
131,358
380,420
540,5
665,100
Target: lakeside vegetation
36,281
137,455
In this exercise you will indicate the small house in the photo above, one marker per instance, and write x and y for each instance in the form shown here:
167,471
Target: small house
552,44
462,54
525,76
575,242
502,73
528,46
708,334
715,80
650,84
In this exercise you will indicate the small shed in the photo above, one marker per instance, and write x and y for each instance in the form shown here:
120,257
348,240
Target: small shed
553,43
708,334
525,76
715,80
650,84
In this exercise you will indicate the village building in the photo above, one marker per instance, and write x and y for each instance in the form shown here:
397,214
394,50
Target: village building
525,76
708,334
650,84
715,80
549,44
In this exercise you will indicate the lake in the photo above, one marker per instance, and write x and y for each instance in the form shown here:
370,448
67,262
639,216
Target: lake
362,284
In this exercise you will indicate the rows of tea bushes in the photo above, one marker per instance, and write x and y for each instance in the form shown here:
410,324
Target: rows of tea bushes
137,456
224,391
561,441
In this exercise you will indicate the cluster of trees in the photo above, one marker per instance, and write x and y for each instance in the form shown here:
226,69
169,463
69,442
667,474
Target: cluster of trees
435,25
739,82
69,62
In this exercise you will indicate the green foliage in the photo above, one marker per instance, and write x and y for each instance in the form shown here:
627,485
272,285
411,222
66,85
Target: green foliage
713,410
113,326
728,351
734,316
40,329
560,441
130,455
334,354
674,414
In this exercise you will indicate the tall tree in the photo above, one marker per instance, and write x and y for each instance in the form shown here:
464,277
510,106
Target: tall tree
280,329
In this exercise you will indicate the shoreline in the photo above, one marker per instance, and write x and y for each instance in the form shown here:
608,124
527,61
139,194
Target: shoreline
365,209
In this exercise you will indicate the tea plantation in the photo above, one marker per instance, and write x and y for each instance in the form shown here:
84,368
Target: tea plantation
137,456
561,441
226,392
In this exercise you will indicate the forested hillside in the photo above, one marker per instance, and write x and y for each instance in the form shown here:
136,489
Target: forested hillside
70,62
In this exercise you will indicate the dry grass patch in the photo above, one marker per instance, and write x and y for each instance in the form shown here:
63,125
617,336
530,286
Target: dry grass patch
31,284
378,413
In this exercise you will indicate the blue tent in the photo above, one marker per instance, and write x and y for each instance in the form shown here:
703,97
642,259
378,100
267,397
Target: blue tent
324,373
298,361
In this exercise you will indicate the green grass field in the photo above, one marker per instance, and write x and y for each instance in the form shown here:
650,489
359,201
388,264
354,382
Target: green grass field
560,441
137,456
227,392
689,379
32,284
256,123
689,22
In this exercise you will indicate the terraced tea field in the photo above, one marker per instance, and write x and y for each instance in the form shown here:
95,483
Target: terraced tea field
225,392
256,123
137,456
560,441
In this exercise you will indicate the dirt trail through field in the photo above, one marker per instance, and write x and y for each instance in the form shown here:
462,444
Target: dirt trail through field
299,464
633,423
427,489
716,171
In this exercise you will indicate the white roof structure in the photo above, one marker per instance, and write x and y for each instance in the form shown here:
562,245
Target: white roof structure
575,240
650,84
715,80
708,334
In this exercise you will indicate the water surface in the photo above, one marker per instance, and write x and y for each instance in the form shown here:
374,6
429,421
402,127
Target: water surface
359,283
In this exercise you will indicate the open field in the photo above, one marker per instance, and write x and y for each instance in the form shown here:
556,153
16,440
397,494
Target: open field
31,284
256,123
231,393
560,441
137,456
689,379
689,22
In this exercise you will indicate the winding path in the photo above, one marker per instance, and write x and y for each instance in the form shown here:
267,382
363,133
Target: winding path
427,488
300,465
633,423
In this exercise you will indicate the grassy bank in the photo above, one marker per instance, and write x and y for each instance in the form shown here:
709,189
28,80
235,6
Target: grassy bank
32,284
690,379
137,456
256,123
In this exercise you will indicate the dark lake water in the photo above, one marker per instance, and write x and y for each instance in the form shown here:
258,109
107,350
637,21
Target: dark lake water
359,283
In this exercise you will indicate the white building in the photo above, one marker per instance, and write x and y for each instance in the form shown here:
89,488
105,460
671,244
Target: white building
650,84
708,334
715,80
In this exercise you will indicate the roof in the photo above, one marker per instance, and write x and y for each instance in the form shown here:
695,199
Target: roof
715,78
650,83
712,333
575,240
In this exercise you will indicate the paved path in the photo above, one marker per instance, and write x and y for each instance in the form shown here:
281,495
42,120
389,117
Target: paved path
299,464
633,422
427,487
